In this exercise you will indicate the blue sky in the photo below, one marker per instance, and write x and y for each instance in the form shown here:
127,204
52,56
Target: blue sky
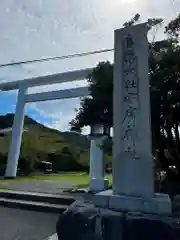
33,29
7,105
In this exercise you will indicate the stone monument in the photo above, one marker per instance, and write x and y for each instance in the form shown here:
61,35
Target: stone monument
133,181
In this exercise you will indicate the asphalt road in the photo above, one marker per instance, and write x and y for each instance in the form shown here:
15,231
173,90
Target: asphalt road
18,224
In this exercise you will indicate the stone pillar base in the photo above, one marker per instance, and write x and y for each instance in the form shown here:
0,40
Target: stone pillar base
160,204
83,220
98,184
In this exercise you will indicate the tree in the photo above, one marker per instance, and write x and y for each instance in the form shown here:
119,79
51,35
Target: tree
64,162
164,70
66,150
173,29
133,20
98,107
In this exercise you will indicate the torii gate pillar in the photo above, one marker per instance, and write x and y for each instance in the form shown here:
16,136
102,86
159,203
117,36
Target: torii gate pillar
17,130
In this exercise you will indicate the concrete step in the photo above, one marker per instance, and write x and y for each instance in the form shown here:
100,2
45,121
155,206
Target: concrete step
37,197
32,205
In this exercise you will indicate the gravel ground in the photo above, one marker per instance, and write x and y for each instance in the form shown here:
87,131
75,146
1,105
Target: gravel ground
46,186
18,224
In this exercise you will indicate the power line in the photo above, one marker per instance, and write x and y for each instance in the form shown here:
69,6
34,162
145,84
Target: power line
60,57
57,58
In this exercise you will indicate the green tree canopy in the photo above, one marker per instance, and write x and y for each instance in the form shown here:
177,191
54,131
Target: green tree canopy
97,108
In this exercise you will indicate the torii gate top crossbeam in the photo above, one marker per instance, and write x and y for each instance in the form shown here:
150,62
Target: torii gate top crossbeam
47,79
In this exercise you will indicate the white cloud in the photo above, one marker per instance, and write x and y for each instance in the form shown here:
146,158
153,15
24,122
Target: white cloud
58,111
35,29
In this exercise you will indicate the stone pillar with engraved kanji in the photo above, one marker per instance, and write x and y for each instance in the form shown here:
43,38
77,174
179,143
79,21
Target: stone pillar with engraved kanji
133,183
132,159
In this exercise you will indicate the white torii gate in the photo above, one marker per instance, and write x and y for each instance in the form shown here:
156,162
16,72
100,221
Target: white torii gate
24,97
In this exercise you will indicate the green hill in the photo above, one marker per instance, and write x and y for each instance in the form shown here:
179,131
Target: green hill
42,143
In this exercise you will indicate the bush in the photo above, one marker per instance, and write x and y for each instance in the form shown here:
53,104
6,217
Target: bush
3,162
25,166
66,150
3,159
64,162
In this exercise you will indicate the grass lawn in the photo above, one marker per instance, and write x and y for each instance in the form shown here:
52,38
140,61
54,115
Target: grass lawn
80,179
2,186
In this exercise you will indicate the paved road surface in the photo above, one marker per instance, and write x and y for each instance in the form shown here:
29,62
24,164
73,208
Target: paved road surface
18,224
